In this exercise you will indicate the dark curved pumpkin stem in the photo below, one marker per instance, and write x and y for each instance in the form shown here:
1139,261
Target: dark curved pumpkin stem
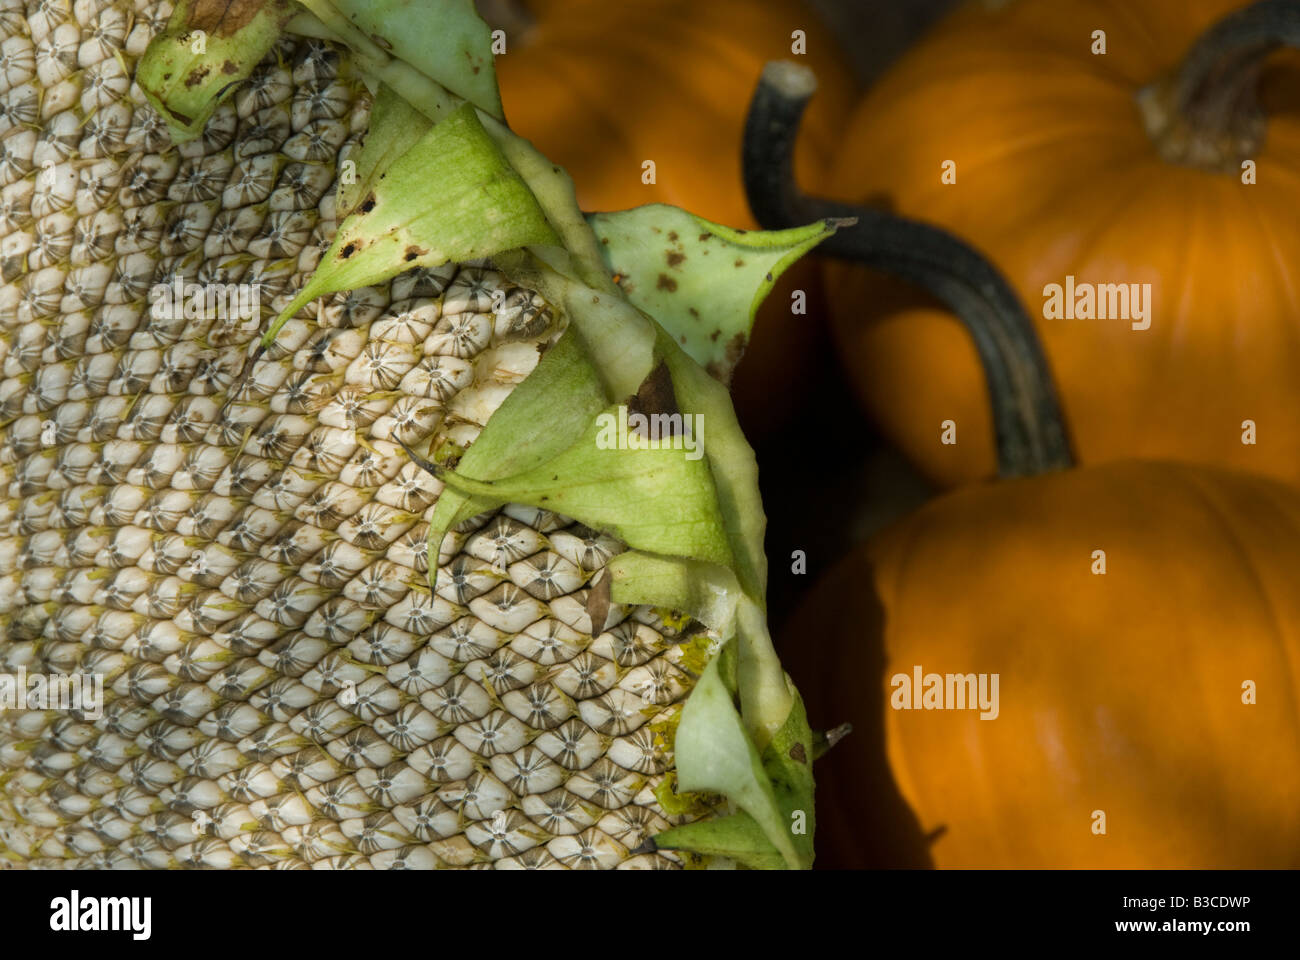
1031,436
1206,114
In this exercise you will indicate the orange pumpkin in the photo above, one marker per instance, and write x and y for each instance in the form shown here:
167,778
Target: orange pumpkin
603,87
1061,173
1120,693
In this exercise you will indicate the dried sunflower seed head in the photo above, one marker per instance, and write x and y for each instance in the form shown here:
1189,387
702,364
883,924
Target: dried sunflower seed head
243,562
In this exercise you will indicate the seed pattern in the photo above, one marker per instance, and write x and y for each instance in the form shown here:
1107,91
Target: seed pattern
244,562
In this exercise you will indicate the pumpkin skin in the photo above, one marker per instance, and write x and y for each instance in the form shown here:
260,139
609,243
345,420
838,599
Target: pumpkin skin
670,81
1119,692
1056,176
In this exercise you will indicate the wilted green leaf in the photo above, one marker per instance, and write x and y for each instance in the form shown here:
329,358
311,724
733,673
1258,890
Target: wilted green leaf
714,754
737,837
207,49
648,494
704,591
735,468
443,39
450,197
395,127
625,346
788,762
701,281
620,340
565,385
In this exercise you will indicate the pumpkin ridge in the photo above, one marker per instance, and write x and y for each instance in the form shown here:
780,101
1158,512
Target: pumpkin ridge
1274,247
1116,161
1216,509
1085,249
1133,13
1182,774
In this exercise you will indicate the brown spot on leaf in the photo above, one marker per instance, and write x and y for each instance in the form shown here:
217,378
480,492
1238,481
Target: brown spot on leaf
667,283
797,753
739,262
225,18
704,237
348,250
675,259
736,348
721,370
196,77
656,395
368,204
229,67
598,601
672,235
412,252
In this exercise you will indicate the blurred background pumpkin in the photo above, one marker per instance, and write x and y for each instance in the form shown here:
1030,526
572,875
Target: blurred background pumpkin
1136,614
666,81
1119,692
1061,172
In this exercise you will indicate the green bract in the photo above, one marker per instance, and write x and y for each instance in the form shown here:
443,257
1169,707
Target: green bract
395,127
451,196
701,281
443,39
207,50
646,494
508,445
773,790
440,178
